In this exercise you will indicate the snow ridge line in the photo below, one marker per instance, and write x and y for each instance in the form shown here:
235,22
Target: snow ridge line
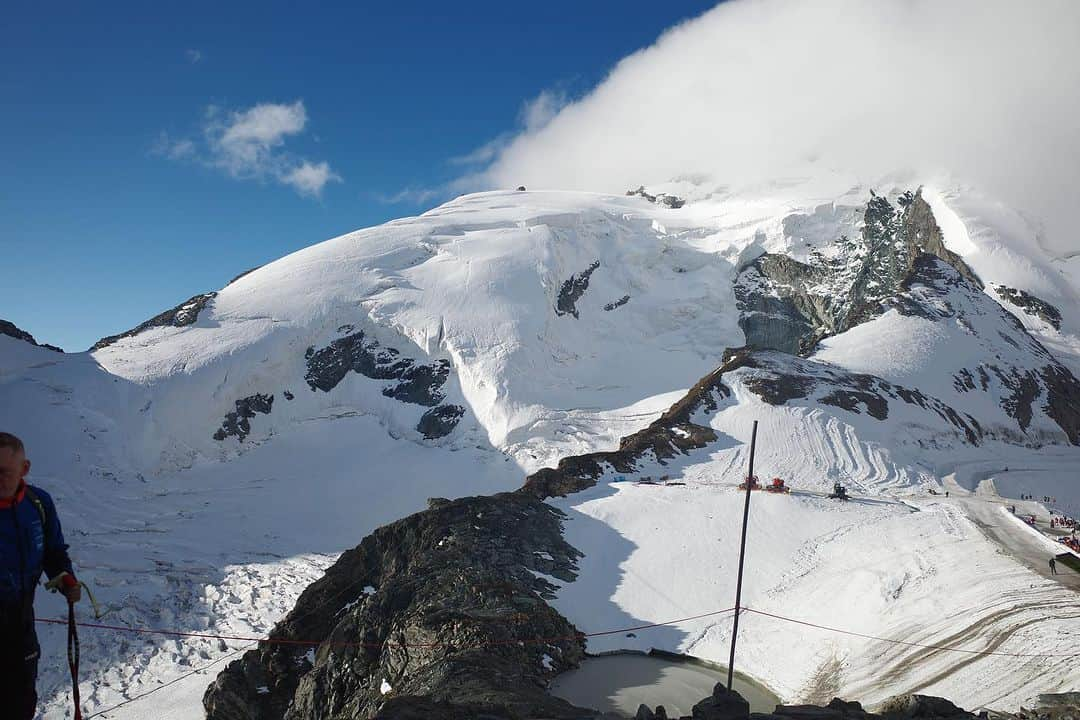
290,641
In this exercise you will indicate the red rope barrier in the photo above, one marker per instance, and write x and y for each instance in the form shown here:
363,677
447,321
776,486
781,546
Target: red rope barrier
290,641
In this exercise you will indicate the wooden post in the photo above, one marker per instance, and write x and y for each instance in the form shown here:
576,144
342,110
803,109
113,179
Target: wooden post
742,558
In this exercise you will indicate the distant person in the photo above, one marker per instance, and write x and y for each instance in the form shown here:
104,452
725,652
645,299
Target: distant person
1053,566
30,542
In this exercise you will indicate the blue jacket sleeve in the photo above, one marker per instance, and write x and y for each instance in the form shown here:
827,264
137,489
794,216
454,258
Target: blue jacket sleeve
56,558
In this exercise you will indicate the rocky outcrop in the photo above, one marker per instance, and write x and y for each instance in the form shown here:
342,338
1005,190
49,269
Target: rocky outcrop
668,201
572,290
1031,305
440,421
11,330
416,383
186,313
617,304
723,704
419,384
936,291
778,379
673,433
238,422
790,306
441,614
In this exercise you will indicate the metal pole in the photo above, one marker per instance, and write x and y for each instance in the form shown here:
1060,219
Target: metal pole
742,557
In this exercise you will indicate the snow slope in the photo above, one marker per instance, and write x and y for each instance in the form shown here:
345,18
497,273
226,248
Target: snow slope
177,528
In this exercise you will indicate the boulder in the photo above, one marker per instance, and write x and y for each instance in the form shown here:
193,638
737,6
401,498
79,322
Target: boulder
724,704
921,706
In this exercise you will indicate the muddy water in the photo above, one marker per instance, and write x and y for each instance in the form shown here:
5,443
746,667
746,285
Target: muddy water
619,683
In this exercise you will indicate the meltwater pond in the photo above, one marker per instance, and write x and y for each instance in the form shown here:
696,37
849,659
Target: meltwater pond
620,682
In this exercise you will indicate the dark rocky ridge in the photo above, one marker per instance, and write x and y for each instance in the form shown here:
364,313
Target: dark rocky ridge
573,289
617,303
453,583
936,291
669,201
186,313
776,378
237,423
12,330
1030,304
790,306
443,606
440,421
418,384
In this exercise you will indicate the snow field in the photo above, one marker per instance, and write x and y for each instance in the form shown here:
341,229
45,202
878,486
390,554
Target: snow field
913,570
174,529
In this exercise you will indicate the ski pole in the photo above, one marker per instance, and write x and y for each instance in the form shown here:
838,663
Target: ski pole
73,659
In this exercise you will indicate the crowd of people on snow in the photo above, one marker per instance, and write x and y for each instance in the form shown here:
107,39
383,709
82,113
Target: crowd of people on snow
1045,498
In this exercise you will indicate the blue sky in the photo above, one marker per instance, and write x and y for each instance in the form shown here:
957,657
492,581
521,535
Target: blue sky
136,172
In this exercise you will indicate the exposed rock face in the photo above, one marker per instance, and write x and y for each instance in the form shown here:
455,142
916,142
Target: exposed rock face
618,303
11,330
237,423
1030,304
440,421
328,366
790,306
572,290
441,605
778,379
673,433
670,201
418,384
938,292
723,704
921,706
186,313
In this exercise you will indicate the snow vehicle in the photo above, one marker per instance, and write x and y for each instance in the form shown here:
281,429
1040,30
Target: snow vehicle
754,483
777,486
839,492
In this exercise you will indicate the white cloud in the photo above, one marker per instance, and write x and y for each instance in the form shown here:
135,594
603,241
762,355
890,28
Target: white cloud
542,109
245,143
248,145
173,149
309,178
193,56
983,89
533,116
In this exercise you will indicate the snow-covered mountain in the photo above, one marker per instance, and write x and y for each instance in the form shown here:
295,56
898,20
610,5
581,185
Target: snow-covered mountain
211,462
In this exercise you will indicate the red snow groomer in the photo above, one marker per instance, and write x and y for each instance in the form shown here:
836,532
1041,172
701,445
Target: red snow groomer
777,486
753,481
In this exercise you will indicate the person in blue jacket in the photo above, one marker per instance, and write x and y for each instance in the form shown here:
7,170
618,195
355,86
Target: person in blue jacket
31,542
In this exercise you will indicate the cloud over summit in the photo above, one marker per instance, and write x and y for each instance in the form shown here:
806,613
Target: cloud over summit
986,90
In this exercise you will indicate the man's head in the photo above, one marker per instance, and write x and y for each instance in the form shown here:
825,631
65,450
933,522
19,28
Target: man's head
13,464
